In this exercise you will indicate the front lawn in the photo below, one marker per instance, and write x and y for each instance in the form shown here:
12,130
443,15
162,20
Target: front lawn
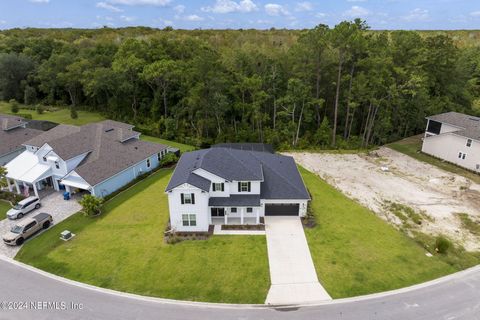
4,207
356,253
124,250
412,147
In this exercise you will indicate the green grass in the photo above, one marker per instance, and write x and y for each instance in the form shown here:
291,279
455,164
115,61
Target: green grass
413,145
181,146
469,224
356,253
62,115
124,250
4,207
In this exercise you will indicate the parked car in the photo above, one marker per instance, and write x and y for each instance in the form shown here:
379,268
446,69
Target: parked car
23,207
27,228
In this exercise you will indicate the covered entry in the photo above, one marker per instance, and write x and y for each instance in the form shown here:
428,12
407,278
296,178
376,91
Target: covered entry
282,209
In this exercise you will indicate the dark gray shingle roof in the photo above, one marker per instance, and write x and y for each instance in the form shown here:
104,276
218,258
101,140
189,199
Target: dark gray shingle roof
281,179
469,126
13,139
8,122
58,132
262,147
240,200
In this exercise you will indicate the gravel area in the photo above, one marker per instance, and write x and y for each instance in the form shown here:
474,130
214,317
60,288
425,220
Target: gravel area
425,188
52,204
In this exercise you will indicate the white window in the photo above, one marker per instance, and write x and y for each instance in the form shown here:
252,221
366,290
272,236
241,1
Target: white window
244,187
249,210
217,186
57,165
233,210
459,155
189,220
188,198
159,156
148,163
469,142
463,156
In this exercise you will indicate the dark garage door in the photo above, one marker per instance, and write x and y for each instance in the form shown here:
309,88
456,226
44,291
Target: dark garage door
281,209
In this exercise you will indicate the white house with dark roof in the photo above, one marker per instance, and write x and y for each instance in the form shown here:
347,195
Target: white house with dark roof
226,185
13,134
98,158
454,137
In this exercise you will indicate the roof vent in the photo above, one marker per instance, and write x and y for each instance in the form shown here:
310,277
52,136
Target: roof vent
109,130
136,148
474,119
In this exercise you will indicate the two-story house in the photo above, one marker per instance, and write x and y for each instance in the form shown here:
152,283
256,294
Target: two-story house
226,185
98,158
454,137
13,133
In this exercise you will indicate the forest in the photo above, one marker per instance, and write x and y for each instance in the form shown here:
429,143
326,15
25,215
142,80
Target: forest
327,87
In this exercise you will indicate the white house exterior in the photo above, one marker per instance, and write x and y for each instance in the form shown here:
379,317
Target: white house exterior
454,137
98,158
13,133
229,186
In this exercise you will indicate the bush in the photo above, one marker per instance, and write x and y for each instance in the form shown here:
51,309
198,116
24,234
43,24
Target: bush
11,197
39,108
73,113
91,205
14,105
442,244
169,159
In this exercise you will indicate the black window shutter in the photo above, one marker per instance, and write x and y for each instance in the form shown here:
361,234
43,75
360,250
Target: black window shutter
213,187
239,186
249,186
223,187
181,197
193,198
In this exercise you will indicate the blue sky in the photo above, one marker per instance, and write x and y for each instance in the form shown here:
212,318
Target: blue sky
262,14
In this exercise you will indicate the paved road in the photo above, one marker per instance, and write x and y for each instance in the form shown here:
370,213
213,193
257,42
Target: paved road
456,297
292,273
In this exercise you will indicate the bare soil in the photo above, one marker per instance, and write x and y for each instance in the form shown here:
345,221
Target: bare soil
438,195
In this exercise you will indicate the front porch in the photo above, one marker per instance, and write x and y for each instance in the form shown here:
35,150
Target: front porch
235,215
234,221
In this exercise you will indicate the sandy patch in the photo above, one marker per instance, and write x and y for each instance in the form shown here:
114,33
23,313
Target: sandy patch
421,186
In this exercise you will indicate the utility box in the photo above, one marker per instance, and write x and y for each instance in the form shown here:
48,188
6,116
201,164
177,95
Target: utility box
66,235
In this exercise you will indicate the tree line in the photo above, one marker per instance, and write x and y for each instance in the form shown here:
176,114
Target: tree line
342,87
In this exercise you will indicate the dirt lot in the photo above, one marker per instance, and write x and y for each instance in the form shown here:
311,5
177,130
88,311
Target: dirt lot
436,196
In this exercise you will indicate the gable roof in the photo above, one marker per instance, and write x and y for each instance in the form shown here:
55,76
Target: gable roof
108,146
278,173
14,139
8,122
469,126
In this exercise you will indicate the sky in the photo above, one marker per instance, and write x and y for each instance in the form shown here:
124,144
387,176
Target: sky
235,14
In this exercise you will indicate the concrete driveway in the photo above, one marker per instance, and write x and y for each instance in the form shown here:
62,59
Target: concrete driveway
52,204
292,273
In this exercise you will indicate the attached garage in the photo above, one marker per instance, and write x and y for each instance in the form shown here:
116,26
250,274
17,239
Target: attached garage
282,209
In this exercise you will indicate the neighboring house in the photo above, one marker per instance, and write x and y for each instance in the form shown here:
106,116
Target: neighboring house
231,186
98,158
13,133
454,137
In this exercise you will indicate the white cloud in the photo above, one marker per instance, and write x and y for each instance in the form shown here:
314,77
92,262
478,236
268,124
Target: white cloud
40,1
304,6
3,22
107,6
160,3
229,6
356,12
273,9
320,15
179,9
127,19
417,15
194,17
475,14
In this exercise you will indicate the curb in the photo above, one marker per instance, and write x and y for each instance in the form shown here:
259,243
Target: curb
451,277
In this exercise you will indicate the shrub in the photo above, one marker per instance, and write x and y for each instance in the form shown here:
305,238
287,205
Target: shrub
14,105
73,113
169,159
39,108
91,205
442,244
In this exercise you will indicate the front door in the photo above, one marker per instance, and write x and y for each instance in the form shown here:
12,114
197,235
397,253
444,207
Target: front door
218,212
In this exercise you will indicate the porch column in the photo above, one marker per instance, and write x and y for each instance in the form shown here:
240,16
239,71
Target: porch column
225,216
258,216
17,186
241,215
10,187
35,189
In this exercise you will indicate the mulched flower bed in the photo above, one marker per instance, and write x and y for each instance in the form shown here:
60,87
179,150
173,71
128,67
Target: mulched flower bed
260,227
